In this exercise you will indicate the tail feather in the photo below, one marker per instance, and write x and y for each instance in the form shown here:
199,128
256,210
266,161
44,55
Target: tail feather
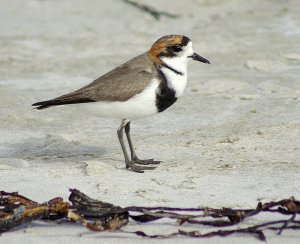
42,105
57,102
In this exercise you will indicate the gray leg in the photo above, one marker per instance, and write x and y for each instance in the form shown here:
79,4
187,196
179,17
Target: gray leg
121,140
134,157
129,163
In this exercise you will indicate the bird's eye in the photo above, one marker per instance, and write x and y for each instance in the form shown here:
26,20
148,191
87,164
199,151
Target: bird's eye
176,48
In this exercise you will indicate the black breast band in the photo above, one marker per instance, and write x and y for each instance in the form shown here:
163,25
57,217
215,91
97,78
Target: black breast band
170,68
165,96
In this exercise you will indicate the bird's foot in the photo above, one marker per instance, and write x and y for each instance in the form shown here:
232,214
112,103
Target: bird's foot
137,168
145,161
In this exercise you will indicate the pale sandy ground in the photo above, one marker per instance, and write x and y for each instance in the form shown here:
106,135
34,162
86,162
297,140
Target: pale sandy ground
233,138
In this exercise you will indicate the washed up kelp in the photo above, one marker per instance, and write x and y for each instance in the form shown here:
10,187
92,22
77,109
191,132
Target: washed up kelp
95,215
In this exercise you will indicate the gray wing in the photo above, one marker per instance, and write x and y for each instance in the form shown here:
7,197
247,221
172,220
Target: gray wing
120,84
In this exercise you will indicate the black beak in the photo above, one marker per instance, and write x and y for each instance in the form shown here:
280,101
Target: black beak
197,57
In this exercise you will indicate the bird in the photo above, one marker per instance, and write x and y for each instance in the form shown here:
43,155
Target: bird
146,85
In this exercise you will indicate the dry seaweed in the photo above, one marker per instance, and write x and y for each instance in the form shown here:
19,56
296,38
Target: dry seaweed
96,215
16,210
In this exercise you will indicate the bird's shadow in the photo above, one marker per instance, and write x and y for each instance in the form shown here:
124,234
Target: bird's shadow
51,149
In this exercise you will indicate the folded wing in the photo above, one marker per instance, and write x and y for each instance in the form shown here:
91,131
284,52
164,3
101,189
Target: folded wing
120,84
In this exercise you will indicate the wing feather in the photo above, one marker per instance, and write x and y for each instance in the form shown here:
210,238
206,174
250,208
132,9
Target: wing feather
120,84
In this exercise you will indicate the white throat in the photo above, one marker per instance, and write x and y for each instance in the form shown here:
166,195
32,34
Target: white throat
177,78
177,63
177,82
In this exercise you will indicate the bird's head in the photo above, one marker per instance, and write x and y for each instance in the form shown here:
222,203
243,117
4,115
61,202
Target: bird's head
174,48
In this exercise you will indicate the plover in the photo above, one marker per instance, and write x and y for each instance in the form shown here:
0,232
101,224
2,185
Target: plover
146,85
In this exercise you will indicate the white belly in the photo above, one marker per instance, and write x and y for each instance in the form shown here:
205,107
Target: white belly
140,106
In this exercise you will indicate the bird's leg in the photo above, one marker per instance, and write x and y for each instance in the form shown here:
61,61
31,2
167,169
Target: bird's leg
129,163
134,157
127,131
121,140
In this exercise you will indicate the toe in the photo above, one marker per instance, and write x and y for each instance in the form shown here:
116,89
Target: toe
138,168
146,161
